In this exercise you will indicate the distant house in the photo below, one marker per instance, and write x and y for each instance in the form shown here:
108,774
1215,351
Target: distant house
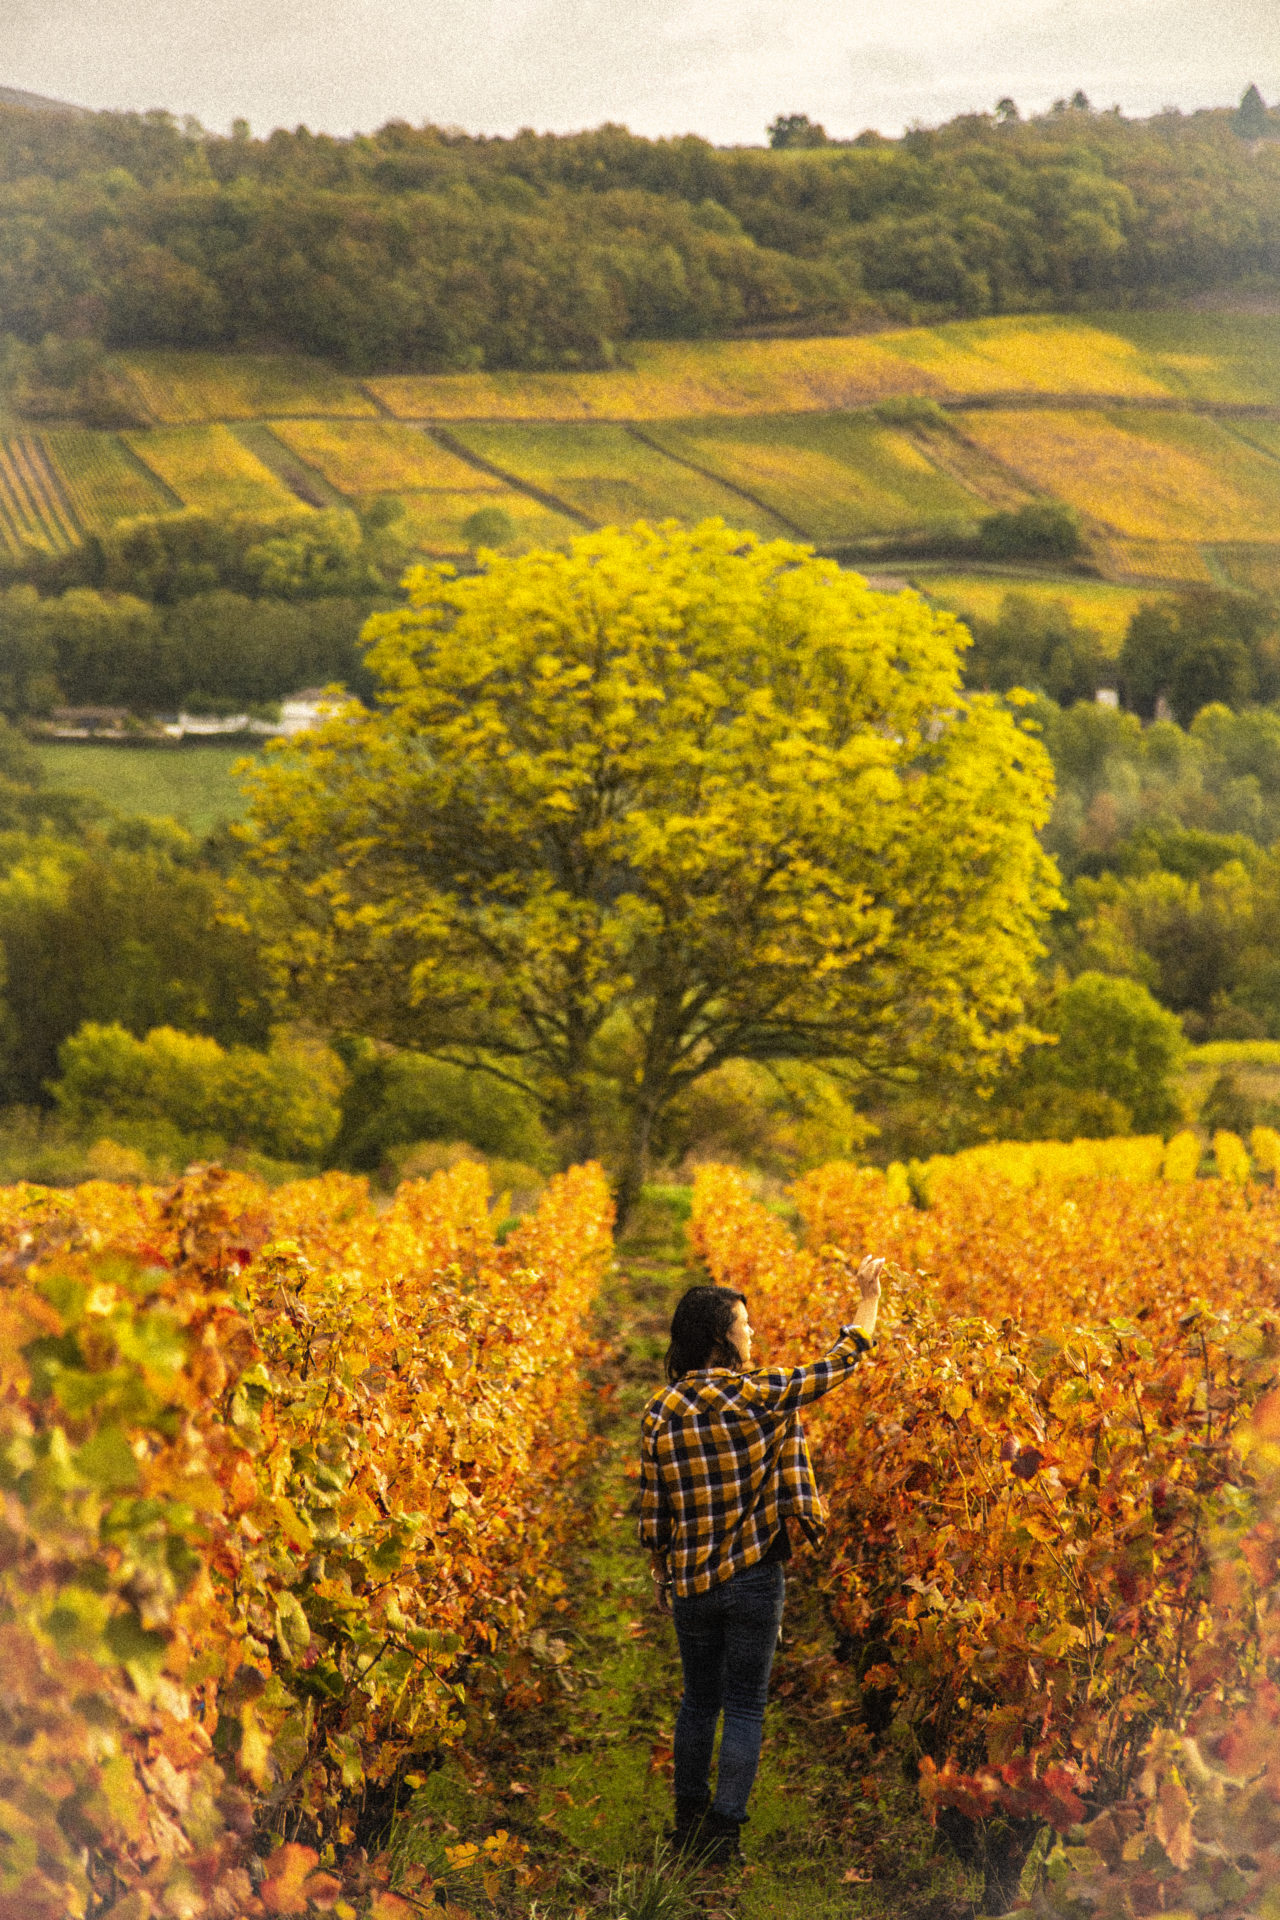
201,726
298,713
89,723
302,711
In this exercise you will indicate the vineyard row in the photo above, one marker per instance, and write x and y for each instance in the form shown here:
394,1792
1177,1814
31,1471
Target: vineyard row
286,1486
1054,1502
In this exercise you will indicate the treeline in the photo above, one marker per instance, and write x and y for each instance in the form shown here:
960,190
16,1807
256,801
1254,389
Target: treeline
423,248
1166,819
207,612
213,652
1205,647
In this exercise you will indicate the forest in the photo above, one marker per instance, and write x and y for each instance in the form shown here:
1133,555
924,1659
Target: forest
428,248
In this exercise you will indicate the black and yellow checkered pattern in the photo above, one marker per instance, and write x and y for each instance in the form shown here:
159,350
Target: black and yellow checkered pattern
723,1462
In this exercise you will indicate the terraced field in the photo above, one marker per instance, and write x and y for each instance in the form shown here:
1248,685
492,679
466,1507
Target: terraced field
1138,474
667,380
103,479
1041,355
835,478
435,520
608,475
184,389
207,467
1161,430
1177,562
35,514
378,456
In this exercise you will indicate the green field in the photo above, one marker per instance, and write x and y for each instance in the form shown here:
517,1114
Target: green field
104,480
606,474
193,785
1222,357
835,477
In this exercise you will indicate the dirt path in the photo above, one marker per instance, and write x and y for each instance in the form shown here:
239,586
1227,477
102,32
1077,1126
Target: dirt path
585,1782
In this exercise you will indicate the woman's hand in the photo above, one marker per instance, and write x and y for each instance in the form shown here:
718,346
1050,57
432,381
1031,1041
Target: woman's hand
661,1585
868,1277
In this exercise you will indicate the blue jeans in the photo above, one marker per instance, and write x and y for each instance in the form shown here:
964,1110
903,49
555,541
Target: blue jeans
726,1638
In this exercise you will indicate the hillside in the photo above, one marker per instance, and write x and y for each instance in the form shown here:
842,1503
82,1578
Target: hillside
429,249
1161,431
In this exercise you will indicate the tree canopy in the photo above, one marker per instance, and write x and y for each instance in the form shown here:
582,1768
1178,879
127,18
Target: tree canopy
670,799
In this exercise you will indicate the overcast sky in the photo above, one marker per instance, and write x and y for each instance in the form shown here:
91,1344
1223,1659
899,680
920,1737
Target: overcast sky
721,68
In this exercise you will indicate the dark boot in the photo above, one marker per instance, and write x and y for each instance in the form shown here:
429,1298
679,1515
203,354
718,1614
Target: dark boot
718,1843
690,1814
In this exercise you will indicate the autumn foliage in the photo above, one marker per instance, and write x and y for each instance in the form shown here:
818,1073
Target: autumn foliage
283,1478
1050,1531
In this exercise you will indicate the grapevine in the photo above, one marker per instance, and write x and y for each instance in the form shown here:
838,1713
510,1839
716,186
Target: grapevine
284,1480
1026,1486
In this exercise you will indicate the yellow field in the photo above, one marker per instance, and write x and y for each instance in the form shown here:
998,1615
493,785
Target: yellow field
1098,604
1038,354
1173,560
781,435
34,514
1041,354
670,379
612,478
102,479
434,519
835,477
179,389
378,456
208,468
1143,476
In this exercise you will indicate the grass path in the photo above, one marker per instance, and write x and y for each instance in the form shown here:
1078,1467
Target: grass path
585,1782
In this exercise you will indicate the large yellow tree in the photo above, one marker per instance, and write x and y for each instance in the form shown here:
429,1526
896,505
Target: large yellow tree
669,799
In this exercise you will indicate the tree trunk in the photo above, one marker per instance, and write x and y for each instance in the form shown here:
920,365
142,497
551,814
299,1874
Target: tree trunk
635,1166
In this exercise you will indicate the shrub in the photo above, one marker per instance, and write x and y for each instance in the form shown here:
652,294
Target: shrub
489,527
1228,1105
1114,1046
1037,531
396,1099
283,1102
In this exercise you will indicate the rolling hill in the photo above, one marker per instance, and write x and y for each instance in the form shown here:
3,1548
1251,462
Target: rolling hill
1161,431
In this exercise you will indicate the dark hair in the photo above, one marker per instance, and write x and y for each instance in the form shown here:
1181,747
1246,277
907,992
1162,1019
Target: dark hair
700,1329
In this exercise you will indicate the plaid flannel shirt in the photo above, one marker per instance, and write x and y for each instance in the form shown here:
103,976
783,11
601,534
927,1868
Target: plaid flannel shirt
723,1462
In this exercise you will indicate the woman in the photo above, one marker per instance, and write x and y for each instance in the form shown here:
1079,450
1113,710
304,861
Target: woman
723,1467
